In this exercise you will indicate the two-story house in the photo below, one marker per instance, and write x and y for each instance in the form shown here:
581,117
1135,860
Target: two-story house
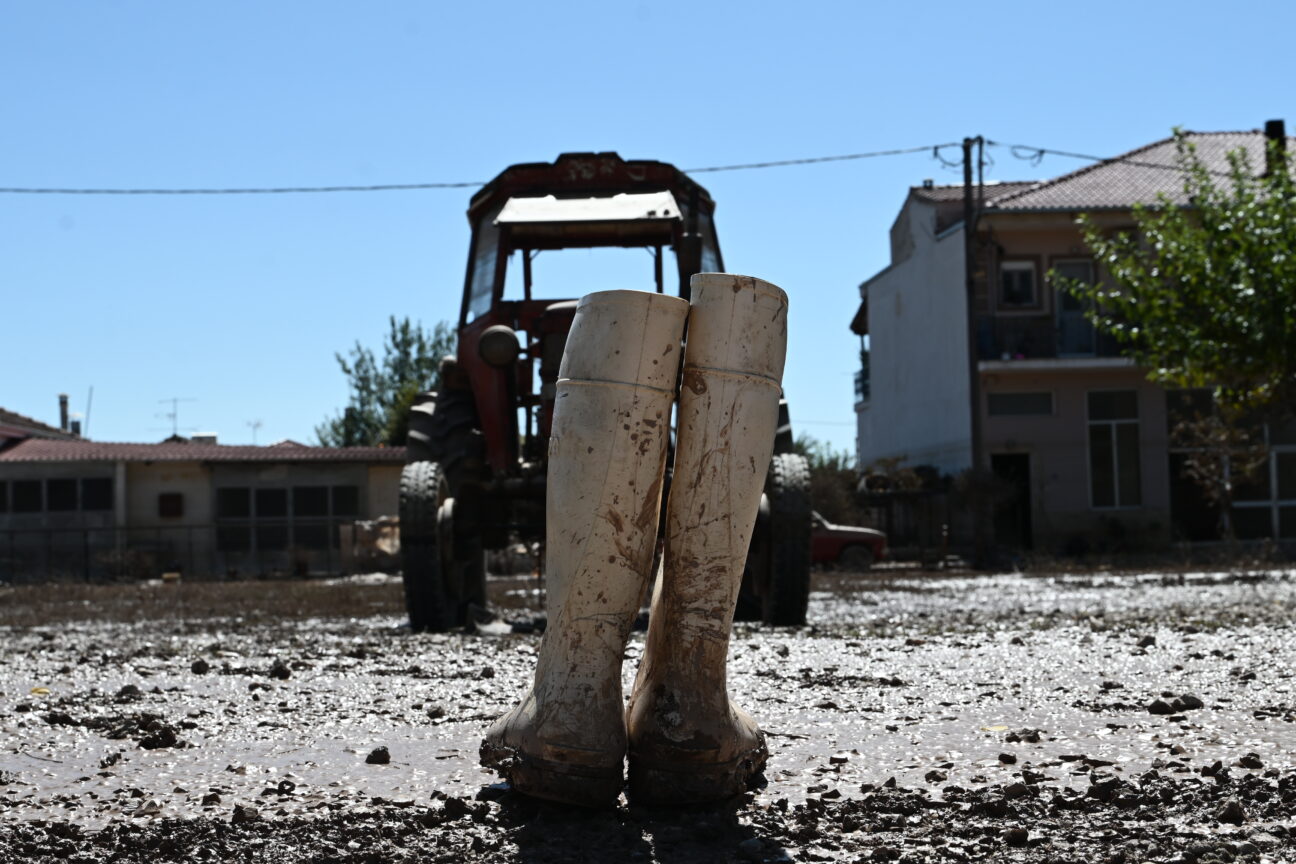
1076,433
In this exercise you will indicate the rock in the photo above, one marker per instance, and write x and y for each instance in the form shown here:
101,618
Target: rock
486,672
378,756
129,693
1147,642
1188,702
1159,706
1251,761
1008,758
1231,813
279,669
200,667
1016,790
935,776
211,799
244,814
158,735
1017,837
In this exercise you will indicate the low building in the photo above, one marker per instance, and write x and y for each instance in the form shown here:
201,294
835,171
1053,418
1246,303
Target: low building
71,508
1075,433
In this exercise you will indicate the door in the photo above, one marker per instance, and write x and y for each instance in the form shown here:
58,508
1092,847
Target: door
1012,512
1075,333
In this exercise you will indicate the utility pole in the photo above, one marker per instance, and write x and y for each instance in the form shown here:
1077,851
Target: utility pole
980,522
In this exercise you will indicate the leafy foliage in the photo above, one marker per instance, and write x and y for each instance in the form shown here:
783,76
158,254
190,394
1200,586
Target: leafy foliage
377,411
833,479
1205,295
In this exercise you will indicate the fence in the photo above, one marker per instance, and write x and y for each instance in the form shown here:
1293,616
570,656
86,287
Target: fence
201,551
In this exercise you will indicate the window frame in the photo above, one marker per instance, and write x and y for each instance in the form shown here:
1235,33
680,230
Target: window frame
1115,451
1019,262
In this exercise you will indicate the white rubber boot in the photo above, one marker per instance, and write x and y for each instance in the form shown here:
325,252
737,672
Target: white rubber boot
687,742
566,741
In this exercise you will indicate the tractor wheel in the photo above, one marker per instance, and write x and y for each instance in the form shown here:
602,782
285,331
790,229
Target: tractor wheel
423,489
788,591
443,428
776,582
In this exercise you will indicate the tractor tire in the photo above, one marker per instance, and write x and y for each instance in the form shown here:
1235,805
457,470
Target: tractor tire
423,489
787,594
776,582
443,428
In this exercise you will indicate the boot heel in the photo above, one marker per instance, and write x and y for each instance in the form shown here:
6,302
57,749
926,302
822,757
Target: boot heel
582,785
673,783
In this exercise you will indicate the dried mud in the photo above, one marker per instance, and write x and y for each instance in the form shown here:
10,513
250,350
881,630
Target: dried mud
1121,718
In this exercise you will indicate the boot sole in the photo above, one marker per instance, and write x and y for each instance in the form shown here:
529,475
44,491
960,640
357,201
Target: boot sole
583,786
661,783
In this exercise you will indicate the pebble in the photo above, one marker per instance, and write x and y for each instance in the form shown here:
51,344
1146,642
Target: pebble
378,756
1160,706
1231,813
200,667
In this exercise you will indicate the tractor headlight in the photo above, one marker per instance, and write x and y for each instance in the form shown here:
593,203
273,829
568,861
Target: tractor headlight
499,345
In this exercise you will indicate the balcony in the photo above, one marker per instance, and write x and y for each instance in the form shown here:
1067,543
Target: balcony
1041,337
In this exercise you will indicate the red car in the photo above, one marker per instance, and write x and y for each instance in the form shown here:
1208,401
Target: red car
845,546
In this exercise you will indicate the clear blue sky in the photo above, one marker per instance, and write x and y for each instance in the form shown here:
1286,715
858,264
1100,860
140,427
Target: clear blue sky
239,302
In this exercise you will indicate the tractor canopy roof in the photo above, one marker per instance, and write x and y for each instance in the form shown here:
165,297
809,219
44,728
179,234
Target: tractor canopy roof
593,177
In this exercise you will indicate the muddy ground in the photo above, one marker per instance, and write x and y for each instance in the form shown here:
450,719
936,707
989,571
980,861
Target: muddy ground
1111,718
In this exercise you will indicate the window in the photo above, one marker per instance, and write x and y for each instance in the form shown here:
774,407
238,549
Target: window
60,495
233,502
170,505
310,501
1114,474
1075,332
97,493
346,501
27,497
4,497
1019,404
1017,284
272,503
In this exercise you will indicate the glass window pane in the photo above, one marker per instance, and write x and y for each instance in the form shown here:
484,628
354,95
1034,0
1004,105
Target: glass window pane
1113,405
97,493
1286,476
1252,523
28,496
311,536
60,495
1252,486
1127,462
1101,467
272,503
346,501
1019,404
271,538
1287,523
310,501
234,502
1017,283
233,538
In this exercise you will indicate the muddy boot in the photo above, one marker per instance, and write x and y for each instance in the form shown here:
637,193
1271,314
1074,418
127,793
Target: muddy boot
687,742
607,453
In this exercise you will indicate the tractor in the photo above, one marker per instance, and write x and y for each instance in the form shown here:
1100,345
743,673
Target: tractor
475,473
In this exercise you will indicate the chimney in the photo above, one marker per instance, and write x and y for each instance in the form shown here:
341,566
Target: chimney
76,428
1275,146
63,412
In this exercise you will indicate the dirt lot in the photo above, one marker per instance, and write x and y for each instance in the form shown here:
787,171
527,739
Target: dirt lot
920,718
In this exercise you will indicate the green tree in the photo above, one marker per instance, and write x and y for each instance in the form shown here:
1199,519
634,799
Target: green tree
833,479
377,410
1204,295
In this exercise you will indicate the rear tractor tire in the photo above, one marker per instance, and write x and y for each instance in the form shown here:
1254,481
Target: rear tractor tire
776,583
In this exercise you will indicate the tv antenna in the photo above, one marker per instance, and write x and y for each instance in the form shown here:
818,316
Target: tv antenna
174,414
255,424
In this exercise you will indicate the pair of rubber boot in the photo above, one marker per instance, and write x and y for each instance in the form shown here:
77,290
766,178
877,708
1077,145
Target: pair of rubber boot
686,741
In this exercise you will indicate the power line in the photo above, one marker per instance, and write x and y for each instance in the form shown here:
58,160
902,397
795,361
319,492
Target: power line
394,187
1035,155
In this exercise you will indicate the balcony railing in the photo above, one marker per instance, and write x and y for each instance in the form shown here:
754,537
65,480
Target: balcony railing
1024,338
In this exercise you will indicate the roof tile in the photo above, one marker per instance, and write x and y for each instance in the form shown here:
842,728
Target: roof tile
48,450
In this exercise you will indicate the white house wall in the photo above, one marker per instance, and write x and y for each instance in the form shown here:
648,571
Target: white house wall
918,408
